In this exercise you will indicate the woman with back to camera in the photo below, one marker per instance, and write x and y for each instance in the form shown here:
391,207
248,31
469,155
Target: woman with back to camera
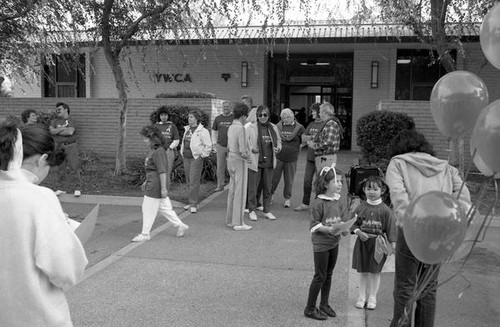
43,253
412,172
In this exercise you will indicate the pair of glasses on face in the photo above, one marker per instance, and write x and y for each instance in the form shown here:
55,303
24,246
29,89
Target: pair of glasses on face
263,115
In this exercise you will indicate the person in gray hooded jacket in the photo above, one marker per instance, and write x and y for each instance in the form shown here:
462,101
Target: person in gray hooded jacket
414,171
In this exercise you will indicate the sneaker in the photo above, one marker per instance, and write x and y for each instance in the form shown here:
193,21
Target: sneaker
242,227
141,238
193,210
181,230
270,216
252,216
302,207
246,211
77,193
327,310
372,304
287,203
360,303
260,208
315,314
187,206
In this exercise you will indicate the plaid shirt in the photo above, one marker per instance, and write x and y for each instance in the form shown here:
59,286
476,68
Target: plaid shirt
327,141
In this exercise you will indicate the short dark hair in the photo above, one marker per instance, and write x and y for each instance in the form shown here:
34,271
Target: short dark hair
409,140
163,110
38,140
315,107
261,109
196,114
377,180
153,133
323,179
240,109
26,114
64,105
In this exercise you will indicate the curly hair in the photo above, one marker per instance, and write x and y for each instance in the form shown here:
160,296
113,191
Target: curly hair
240,109
163,110
315,107
196,113
322,181
26,114
407,141
153,133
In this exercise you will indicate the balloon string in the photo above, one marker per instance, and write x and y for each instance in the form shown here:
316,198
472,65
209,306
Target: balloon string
467,173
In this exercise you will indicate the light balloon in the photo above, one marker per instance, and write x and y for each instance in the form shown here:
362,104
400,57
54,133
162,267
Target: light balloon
456,101
471,234
486,136
489,36
434,226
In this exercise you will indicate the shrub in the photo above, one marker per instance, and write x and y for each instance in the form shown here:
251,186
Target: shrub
179,116
375,131
187,94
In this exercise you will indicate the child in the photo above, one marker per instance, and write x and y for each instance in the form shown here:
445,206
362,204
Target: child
371,248
155,187
327,213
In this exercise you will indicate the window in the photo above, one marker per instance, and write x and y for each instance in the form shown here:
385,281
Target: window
416,73
64,76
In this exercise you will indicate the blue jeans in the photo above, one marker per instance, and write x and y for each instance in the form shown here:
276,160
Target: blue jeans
192,169
324,262
308,181
409,274
261,178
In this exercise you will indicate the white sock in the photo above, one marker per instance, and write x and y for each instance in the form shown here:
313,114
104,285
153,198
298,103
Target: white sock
363,281
373,285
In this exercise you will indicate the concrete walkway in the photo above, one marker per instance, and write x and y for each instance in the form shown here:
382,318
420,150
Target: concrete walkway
215,276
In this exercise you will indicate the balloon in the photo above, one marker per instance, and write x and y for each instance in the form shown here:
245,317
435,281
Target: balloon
489,36
456,101
471,234
434,226
486,136
479,162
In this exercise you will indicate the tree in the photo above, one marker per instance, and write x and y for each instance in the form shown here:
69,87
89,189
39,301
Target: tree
119,25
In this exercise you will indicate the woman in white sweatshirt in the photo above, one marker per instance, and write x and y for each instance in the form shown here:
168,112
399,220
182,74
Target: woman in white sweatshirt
39,252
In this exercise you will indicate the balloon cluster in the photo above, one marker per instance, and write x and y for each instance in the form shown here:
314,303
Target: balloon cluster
436,224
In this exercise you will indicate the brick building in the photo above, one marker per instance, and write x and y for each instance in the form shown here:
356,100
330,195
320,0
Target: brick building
357,68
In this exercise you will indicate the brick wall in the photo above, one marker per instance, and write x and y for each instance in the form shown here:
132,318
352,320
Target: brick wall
420,111
97,119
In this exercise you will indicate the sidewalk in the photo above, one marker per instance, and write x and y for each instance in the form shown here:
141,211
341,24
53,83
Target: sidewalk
218,277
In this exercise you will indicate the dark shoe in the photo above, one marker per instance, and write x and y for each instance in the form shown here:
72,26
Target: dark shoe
327,309
314,314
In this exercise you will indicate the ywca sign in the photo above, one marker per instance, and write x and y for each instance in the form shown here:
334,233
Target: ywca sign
179,78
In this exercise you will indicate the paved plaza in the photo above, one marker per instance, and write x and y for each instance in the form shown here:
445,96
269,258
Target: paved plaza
215,276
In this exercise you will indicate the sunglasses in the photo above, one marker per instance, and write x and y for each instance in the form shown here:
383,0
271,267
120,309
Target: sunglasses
263,115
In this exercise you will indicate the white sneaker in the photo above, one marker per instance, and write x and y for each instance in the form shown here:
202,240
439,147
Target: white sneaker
59,192
252,216
187,206
246,211
260,208
77,193
302,207
287,203
193,210
181,230
270,216
372,304
242,227
360,303
141,238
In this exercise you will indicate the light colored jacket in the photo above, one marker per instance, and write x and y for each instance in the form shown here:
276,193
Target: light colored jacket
253,143
201,143
40,255
413,174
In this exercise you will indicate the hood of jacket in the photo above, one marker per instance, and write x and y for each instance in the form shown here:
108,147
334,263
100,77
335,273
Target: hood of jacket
425,163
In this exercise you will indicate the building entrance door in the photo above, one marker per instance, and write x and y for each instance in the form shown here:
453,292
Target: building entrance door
297,83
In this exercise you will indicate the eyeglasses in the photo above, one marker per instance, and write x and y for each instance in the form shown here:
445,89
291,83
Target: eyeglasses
263,115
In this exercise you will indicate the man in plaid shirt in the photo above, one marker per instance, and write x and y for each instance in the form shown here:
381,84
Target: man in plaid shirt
327,141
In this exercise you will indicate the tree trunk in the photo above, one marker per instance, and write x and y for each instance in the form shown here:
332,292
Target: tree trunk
121,87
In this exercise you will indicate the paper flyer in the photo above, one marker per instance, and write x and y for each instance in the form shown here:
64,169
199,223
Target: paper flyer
86,227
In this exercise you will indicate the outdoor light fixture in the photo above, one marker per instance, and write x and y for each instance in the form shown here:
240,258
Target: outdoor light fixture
244,74
225,76
374,74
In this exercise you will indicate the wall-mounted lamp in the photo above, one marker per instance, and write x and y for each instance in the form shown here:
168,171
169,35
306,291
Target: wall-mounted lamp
225,76
244,74
374,79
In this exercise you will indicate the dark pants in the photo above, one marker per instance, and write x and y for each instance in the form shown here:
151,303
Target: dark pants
409,274
264,176
308,181
324,262
287,169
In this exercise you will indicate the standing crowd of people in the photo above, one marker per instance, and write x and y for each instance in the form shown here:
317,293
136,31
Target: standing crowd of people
256,153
